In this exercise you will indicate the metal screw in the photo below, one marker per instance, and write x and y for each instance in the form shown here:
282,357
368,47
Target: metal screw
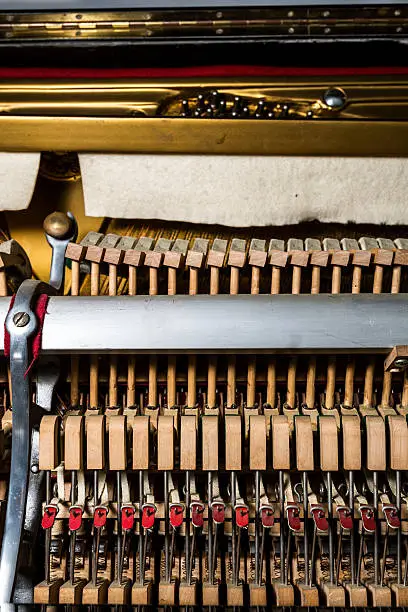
21,319
218,15
219,31
397,13
335,98
35,468
291,30
291,14
401,363
327,30
326,14
399,30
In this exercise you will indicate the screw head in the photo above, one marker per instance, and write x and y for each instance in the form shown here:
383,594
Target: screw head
335,98
35,468
401,363
21,319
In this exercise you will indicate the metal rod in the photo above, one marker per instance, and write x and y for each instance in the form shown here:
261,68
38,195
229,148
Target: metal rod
166,524
351,504
283,568
257,511
233,526
141,534
398,505
330,515
360,556
375,503
187,536
149,324
210,529
96,532
305,525
73,533
119,526
312,559
384,556
339,554
47,531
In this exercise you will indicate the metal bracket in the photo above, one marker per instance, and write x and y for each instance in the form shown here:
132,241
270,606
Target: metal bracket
54,224
21,324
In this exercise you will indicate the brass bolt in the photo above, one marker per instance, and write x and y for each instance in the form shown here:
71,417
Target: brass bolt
57,225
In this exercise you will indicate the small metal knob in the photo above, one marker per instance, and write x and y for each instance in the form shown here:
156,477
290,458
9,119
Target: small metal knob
335,98
58,225
21,319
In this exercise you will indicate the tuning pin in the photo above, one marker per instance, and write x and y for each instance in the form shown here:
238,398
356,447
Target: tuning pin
209,112
185,109
309,114
236,109
214,100
199,109
222,107
261,110
285,110
245,112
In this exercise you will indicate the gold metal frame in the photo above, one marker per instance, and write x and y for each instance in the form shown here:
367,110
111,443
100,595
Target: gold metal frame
124,116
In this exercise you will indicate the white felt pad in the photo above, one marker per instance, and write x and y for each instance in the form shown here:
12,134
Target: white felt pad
18,174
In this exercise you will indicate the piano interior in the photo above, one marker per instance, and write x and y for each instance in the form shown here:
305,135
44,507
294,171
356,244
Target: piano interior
199,409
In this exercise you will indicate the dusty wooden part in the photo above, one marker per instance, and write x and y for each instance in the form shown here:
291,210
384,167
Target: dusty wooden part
404,396
113,280
210,594
141,446
214,280
209,432
192,381
131,381
75,278
165,443
71,594
132,280
233,442
94,278
95,594
397,352
329,444
369,383
310,383
387,388
113,381
93,381
74,381
257,595
296,280
351,442
315,287
212,382
257,442
376,443
73,442
235,595
291,393
231,380
255,279
49,442
95,442
280,443
142,594
400,595
357,595
349,383
304,444
251,381
284,594
234,281
380,596
398,442
275,281
193,282
153,281
172,281
356,279
378,279
309,595
167,594
187,594
117,443
119,593
330,382
153,381
271,382
335,595
188,442
47,593
336,280
171,381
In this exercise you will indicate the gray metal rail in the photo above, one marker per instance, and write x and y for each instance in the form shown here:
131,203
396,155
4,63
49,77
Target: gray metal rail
58,5
229,324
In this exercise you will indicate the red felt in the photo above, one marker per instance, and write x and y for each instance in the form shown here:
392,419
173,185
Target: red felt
196,72
40,310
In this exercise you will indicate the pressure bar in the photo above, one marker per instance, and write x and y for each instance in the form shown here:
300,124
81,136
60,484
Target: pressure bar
57,5
223,324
